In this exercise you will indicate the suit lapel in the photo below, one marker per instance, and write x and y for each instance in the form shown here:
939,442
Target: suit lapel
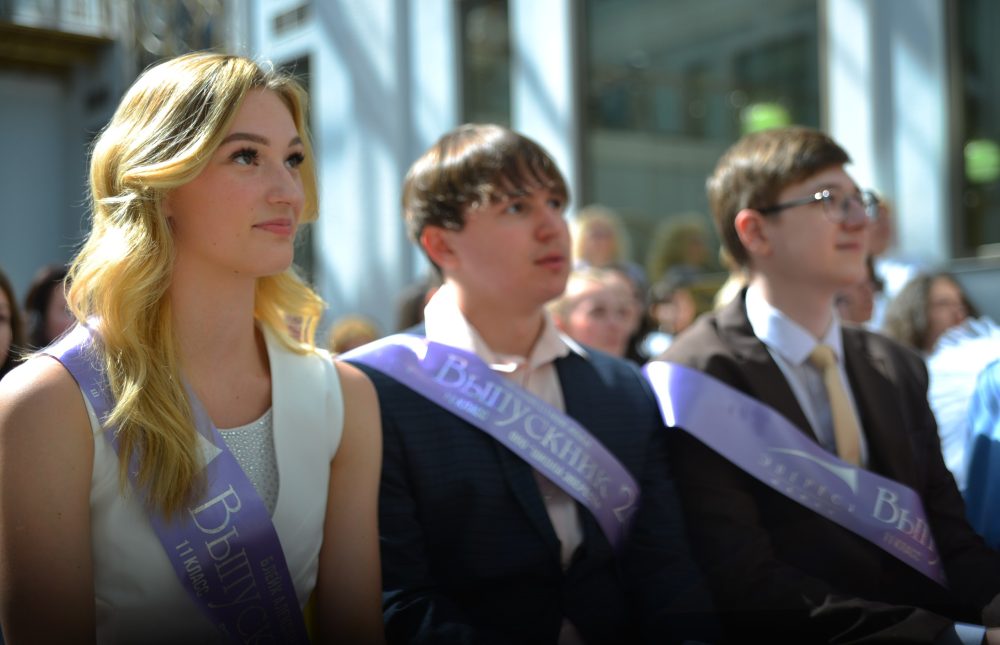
578,396
521,481
521,478
763,379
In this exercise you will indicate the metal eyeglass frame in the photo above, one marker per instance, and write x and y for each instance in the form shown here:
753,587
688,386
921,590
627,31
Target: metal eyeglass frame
867,199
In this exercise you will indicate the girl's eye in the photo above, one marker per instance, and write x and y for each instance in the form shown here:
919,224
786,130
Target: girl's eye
515,207
295,160
245,156
555,203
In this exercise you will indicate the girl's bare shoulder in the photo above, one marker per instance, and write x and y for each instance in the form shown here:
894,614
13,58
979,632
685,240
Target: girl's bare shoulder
40,396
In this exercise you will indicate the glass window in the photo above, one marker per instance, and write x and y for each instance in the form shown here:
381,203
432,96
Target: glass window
977,23
166,28
668,86
485,39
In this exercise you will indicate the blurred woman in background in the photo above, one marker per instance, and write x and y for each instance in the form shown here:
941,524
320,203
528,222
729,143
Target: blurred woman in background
925,308
597,309
11,326
45,306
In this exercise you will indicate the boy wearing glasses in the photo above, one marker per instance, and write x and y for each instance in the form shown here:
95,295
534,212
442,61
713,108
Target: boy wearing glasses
847,527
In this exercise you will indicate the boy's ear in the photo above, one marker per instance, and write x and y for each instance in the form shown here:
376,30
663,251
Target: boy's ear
436,242
750,228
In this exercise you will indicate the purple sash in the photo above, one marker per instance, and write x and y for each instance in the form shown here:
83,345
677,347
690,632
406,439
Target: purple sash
223,548
551,442
766,445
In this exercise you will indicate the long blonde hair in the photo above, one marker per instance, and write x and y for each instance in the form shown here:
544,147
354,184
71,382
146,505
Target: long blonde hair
162,135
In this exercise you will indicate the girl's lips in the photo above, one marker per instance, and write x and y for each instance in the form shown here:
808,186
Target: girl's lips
278,226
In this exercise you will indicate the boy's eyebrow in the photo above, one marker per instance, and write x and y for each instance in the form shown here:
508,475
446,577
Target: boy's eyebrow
256,138
835,187
520,191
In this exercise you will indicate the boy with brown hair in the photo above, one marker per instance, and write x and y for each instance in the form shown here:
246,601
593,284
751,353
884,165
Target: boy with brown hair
793,548
486,536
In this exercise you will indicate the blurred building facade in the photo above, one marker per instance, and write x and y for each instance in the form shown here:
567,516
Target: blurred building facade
64,65
636,99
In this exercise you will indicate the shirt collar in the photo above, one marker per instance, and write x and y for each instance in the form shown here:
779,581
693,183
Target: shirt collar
445,323
783,335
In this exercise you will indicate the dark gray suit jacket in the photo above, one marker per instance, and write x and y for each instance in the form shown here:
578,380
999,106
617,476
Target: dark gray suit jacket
783,573
470,556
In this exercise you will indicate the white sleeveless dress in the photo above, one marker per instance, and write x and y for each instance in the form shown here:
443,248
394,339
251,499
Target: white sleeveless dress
138,597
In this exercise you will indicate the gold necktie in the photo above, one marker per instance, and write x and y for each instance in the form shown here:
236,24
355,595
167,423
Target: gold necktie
845,426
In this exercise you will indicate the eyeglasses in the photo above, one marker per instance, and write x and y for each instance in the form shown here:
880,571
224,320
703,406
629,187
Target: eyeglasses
839,209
